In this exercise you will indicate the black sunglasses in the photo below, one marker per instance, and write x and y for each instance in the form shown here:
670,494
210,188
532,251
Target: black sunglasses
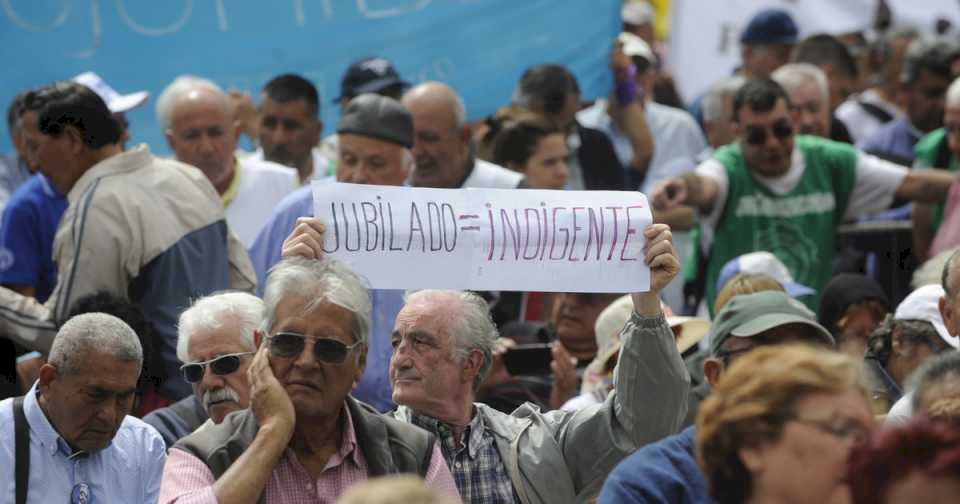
222,365
757,135
289,345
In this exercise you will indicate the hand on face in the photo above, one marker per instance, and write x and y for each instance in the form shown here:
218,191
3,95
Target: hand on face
306,240
269,401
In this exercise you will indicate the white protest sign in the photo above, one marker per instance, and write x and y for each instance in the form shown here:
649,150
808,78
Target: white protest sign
487,239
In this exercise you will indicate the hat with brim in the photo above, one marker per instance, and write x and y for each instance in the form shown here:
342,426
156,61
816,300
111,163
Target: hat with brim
748,315
691,331
116,102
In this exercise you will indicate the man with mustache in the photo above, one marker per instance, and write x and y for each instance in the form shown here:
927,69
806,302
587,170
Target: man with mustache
215,344
304,439
73,430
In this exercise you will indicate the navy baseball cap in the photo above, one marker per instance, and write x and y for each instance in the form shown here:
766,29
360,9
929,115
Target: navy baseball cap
369,75
770,26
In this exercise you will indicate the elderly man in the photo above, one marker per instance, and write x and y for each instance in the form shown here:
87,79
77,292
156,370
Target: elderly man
806,86
938,150
72,430
147,229
303,438
443,347
443,149
197,119
775,191
667,471
215,342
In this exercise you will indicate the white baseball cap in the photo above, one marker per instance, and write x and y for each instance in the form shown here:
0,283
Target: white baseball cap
115,101
924,304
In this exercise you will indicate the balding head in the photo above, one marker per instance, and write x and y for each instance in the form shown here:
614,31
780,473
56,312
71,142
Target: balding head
442,140
199,126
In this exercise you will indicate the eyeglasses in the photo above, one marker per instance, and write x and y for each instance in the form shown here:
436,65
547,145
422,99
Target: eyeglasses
223,365
845,429
757,135
289,345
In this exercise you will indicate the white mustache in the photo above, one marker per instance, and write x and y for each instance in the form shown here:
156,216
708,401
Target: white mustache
218,395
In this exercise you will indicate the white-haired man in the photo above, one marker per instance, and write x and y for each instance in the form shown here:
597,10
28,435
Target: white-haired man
70,438
198,122
809,93
303,438
443,347
215,344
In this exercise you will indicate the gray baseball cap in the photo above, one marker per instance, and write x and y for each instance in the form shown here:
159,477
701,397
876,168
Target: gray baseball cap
747,315
379,117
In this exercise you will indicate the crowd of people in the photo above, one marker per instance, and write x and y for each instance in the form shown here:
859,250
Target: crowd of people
173,331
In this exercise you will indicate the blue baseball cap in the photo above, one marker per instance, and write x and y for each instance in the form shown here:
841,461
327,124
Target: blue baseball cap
770,26
763,263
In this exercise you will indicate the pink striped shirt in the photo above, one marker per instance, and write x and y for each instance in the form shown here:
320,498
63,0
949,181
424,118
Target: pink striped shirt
188,480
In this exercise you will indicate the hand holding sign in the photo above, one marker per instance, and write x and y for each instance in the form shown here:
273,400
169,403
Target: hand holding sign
306,240
484,239
664,264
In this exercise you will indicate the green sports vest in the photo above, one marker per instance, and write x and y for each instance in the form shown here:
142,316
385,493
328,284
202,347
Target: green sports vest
930,152
798,227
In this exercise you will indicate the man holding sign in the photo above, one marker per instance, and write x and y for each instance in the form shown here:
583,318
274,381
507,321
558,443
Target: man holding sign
443,346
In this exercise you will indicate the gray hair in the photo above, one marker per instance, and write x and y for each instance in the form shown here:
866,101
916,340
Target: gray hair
96,332
177,89
471,327
213,311
953,93
933,372
793,75
319,281
718,96
880,342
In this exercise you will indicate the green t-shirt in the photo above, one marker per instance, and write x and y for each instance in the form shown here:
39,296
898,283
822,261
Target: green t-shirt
798,227
927,150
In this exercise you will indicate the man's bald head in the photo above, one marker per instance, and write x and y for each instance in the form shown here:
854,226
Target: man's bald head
442,140
198,122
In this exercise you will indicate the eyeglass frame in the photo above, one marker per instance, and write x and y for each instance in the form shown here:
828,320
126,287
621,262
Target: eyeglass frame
781,129
205,364
305,337
856,432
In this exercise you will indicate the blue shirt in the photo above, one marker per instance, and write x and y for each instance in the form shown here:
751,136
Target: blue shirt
29,225
893,141
665,471
128,470
14,172
374,387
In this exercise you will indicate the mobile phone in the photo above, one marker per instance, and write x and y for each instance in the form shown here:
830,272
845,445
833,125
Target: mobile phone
532,359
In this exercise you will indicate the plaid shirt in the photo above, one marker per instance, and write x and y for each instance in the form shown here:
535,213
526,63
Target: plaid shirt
477,469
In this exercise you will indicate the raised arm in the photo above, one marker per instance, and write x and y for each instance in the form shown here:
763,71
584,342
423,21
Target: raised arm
926,186
649,399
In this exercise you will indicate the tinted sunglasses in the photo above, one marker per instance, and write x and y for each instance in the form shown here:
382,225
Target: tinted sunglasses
757,135
290,345
222,365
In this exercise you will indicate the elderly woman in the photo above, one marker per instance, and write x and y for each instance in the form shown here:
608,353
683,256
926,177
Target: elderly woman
779,425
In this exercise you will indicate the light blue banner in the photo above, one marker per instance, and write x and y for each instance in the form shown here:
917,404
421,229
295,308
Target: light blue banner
480,47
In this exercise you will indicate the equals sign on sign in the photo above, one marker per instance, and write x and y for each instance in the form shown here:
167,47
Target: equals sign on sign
465,219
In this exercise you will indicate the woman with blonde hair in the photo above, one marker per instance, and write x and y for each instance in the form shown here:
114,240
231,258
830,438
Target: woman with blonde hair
779,425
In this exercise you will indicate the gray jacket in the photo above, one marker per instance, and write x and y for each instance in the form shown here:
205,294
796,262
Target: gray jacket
563,456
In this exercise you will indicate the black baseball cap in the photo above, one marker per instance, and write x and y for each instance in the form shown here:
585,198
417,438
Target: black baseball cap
369,75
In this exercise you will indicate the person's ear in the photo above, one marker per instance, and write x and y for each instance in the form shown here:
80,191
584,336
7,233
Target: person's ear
316,134
712,369
171,139
753,458
361,365
948,315
76,139
48,375
258,338
899,346
471,366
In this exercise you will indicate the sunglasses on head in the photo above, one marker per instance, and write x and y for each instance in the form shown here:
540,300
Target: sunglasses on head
757,135
223,365
291,345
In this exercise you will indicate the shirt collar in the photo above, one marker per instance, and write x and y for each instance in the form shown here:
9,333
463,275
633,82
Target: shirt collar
348,442
231,192
472,434
41,427
125,161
